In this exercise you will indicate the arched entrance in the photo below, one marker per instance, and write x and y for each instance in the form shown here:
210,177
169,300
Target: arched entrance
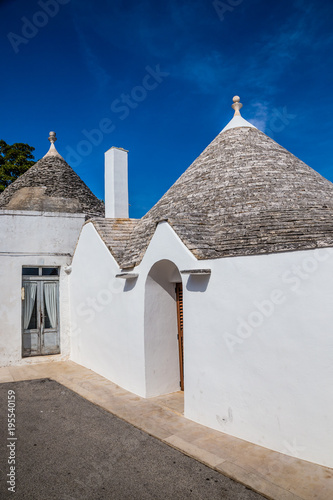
163,342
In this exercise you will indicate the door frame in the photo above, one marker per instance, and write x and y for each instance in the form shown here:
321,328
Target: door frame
41,330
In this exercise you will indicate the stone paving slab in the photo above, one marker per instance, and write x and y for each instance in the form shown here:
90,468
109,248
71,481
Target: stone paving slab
274,475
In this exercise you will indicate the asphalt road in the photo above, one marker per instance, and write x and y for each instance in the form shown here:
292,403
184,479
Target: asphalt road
69,449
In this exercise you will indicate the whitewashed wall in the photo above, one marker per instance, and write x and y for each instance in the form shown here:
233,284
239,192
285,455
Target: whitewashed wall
33,239
108,314
107,319
259,350
258,341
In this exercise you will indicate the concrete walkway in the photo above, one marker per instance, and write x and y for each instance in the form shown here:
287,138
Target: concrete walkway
272,474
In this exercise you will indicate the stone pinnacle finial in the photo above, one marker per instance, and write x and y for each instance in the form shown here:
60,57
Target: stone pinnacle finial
237,105
52,137
52,151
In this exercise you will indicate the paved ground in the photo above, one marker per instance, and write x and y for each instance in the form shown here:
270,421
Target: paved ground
274,475
67,448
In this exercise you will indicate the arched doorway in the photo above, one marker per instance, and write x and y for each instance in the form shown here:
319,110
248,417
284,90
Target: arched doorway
163,342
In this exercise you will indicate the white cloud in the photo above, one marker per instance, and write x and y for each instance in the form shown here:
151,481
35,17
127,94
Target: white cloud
260,114
207,72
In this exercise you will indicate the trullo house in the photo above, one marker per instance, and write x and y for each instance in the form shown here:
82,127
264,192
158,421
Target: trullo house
223,289
41,215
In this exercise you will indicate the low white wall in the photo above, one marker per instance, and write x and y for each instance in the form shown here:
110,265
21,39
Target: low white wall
33,239
259,350
107,316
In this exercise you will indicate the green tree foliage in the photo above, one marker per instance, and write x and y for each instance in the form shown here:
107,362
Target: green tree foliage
14,161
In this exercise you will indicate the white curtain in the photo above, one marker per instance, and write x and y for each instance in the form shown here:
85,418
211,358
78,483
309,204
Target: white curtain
30,290
51,302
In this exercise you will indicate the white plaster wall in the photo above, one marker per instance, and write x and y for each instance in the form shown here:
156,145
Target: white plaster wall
109,337
32,239
107,316
39,233
259,350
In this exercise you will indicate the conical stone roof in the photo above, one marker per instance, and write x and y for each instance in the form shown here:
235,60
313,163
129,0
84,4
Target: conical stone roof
51,185
244,195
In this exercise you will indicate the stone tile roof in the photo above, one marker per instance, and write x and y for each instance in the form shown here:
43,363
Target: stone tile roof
115,233
51,185
244,195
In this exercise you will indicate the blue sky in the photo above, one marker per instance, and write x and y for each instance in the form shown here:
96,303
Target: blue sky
157,78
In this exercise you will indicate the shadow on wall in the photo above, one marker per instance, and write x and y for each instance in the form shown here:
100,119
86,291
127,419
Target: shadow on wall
129,285
160,326
197,283
166,274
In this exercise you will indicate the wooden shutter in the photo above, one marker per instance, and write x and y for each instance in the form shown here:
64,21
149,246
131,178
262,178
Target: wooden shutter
179,298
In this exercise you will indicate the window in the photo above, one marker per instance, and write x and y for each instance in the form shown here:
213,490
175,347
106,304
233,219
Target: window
40,271
50,271
30,271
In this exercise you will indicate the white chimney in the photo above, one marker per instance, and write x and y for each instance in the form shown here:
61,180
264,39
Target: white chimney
116,184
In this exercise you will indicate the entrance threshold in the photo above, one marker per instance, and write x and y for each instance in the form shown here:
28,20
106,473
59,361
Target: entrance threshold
173,402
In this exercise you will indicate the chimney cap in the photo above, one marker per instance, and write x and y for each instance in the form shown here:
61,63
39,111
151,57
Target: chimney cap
121,149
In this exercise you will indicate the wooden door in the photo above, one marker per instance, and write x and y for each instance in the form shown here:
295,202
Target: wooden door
180,321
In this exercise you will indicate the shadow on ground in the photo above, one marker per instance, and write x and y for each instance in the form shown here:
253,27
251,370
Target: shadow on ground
69,449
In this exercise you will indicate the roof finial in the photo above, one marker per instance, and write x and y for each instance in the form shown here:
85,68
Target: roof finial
52,151
237,120
52,137
237,105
